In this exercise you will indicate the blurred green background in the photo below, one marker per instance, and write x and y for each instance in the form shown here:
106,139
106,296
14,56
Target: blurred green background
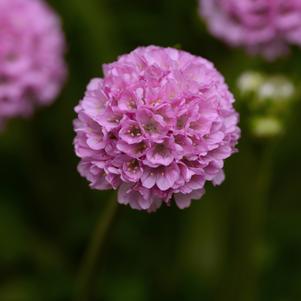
241,242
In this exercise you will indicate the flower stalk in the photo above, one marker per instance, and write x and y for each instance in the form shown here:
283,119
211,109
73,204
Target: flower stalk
92,255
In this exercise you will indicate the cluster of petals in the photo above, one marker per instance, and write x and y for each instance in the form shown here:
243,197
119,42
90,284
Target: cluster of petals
32,50
157,126
265,27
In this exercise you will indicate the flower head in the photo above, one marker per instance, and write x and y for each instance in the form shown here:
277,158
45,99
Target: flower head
32,65
156,127
265,27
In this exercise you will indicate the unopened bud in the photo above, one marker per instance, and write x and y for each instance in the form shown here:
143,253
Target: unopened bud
277,88
249,82
266,127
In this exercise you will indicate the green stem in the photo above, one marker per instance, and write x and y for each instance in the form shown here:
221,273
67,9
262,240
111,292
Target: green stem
243,261
91,257
254,214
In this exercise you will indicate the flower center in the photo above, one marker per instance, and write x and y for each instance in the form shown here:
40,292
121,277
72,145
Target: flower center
150,127
181,122
112,136
155,102
131,104
140,147
134,132
115,119
133,166
161,149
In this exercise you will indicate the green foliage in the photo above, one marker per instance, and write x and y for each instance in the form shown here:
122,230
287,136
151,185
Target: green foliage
241,242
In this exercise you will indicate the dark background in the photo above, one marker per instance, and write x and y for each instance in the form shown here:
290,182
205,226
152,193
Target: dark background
241,242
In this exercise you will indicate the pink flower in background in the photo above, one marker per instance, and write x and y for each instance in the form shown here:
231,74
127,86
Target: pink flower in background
265,27
32,68
157,127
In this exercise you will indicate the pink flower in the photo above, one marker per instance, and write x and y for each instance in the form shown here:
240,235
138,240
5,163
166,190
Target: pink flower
157,127
265,27
32,68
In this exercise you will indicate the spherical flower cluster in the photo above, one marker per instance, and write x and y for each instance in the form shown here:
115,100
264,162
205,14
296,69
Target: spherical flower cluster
156,127
32,65
265,27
